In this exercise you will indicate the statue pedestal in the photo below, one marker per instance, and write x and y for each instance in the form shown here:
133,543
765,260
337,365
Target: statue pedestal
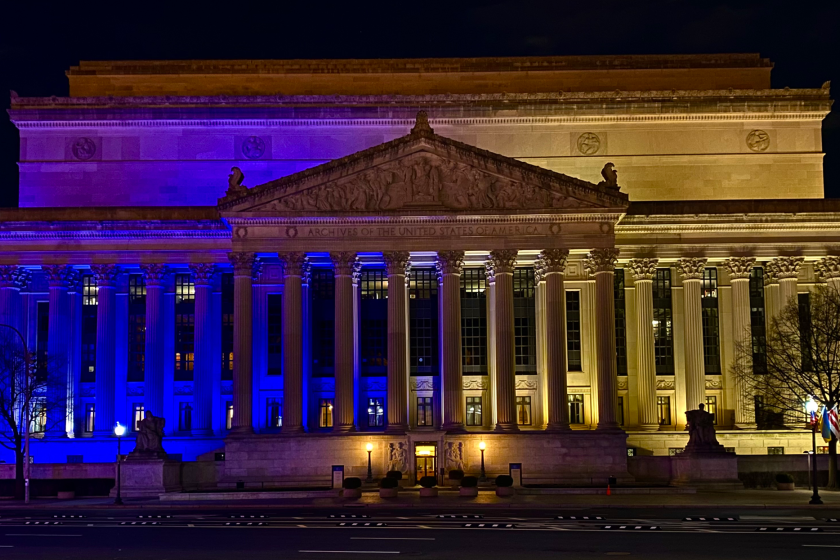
149,477
706,470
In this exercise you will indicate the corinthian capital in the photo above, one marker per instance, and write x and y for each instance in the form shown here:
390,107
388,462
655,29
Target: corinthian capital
828,267
539,270
396,262
552,261
787,267
243,263
601,260
12,276
343,262
105,274
643,269
203,273
503,261
739,267
154,273
59,275
449,262
293,263
691,268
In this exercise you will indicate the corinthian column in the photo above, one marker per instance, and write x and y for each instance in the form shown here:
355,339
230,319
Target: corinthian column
202,415
643,272
691,270
155,275
601,263
787,272
106,355
503,263
60,277
396,264
552,269
739,269
293,269
828,269
449,266
12,278
344,415
243,308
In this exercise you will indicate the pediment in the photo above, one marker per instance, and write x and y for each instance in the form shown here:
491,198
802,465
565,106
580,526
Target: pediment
422,173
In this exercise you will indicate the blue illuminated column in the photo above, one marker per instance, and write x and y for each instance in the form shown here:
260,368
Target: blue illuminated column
106,348
155,338
243,306
204,355
60,277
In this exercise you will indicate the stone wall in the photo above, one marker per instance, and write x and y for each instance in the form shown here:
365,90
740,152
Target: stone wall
742,442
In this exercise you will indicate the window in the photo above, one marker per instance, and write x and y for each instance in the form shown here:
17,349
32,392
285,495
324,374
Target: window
229,415
42,338
90,417
139,414
273,413
758,326
423,321
373,314
711,406
620,410
325,419
620,323
673,451
711,322
184,416
524,320
523,411
323,321
227,326
663,329
573,342
474,321
424,411
184,327
136,328
275,334
576,413
663,404
775,450
474,411
90,293
376,412
806,336
822,450
39,416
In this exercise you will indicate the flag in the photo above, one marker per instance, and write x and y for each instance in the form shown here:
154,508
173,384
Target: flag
834,422
825,425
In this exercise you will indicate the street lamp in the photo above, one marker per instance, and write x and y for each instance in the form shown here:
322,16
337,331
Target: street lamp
482,446
27,359
369,448
119,430
811,407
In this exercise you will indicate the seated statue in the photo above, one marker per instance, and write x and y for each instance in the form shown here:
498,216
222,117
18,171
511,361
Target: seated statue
149,438
701,432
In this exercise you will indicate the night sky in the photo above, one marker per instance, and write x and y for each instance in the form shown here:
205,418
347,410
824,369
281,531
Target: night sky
40,40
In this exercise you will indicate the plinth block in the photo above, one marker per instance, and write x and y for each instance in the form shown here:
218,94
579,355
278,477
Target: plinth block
142,478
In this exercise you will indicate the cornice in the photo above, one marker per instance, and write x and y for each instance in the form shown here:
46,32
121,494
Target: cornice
239,220
726,228
123,234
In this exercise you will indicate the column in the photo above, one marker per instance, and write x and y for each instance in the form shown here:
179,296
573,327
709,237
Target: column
396,264
787,272
503,262
106,325
243,302
59,277
540,414
293,336
691,270
553,268
449,266
153,376
739,269
643,272
344,263
601,263
829,270
490,408
202,414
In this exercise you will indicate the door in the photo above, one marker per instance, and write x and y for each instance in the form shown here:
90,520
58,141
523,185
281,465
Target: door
425,460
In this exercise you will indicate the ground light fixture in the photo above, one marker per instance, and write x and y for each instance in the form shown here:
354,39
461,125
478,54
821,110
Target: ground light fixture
119,431
811,408
482,446
369,448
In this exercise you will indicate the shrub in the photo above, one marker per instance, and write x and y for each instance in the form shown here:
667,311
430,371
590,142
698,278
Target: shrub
456,474
396,475
389,483
504,481
469,482
428,482
352,483
784,478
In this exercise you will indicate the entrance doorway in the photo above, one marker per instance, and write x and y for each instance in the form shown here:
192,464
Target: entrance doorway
425,460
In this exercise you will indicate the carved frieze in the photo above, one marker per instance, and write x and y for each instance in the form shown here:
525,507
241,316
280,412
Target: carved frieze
87,390
713,382
344,262
203,273
135,390
322,384
449,262
420,384
293,263
553,261
622,383
828,267
691,268
664,384
787,267
739,267
475,383
183,390
601,260
106,274
396,262
526,384
503,261
155,274
227,389
374,384
643,269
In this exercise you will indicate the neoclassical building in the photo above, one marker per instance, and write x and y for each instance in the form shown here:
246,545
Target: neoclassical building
288,260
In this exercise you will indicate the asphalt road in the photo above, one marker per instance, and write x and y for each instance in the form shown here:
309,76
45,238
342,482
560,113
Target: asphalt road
311,534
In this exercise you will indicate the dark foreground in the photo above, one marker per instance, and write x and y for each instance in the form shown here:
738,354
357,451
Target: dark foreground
313,534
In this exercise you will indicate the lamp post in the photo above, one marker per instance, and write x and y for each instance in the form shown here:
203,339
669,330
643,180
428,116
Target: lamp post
369,448
27,359
119,430
482,446
811,407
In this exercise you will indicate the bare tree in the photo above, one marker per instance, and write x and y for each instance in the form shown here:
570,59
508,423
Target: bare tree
802,361
41,390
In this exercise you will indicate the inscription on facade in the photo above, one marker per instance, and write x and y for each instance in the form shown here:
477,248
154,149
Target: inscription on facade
421,231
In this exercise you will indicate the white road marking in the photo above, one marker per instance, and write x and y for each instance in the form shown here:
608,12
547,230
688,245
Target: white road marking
392,538
6,546
822,545
38,535
351,551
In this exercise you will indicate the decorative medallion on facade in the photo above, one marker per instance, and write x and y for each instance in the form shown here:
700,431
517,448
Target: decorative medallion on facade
739,267
397,263
643,269
691,268
787,267
758,140
601,260
449,262
253,147
553,261
106,274
83,149
503,261
155,273
588,143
